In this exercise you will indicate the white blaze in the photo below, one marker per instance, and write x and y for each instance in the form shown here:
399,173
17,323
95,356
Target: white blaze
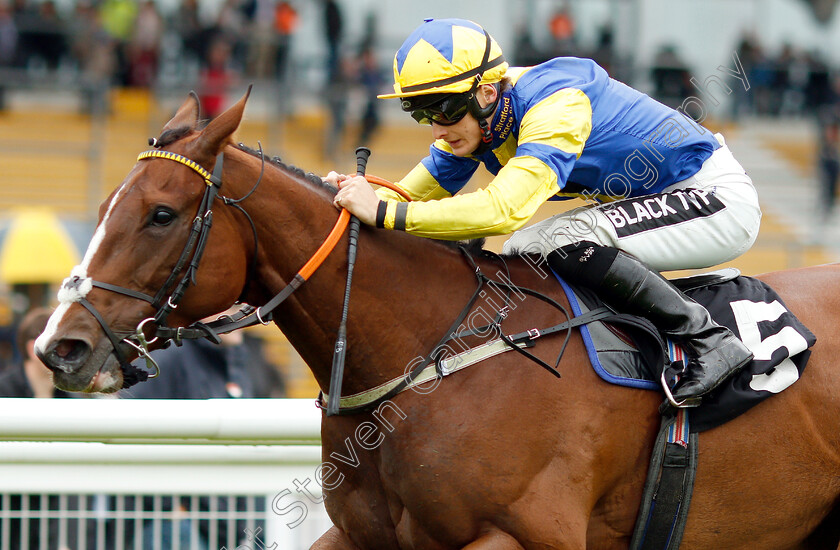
72,291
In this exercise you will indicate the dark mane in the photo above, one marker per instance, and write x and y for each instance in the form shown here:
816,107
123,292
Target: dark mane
473,245
309,176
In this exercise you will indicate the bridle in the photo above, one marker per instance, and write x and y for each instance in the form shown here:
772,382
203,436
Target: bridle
172,291
166,301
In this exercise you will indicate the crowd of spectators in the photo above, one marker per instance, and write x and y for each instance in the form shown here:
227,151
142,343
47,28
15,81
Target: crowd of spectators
102,44
122,40
564,40
792,82
120,43
788,82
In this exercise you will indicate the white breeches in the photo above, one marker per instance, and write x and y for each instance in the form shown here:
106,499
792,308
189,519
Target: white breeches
705,220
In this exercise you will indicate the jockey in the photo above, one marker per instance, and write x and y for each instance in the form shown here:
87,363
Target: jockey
664,192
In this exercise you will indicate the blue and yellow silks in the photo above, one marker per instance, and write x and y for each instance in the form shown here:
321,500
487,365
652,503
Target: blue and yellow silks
564,129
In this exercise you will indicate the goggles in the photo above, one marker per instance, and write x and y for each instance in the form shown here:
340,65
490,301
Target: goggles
447,111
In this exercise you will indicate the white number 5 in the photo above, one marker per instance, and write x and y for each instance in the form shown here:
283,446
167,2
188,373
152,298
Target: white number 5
747,315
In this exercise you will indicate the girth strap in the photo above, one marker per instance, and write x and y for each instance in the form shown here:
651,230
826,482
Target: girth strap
669,486
453,363
366,401
407,380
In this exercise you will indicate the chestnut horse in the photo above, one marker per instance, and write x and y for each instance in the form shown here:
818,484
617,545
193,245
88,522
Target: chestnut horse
501,455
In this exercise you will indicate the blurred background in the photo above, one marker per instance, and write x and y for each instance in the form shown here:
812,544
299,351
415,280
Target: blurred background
85,83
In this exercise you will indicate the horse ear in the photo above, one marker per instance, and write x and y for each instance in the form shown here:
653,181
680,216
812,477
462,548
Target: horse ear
187,114
214,137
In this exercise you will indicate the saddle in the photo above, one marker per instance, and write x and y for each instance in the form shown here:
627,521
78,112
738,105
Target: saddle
630,351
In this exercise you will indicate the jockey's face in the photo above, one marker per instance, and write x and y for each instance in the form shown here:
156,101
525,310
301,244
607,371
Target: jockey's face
464,136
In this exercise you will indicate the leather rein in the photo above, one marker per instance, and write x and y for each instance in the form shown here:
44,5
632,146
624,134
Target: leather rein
164,301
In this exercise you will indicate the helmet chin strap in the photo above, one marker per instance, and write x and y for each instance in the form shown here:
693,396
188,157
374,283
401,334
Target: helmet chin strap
486,138
481,114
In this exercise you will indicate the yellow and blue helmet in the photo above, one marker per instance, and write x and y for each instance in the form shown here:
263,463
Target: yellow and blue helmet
446,56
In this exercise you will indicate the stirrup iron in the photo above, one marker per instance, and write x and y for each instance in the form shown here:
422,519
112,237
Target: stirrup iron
685,403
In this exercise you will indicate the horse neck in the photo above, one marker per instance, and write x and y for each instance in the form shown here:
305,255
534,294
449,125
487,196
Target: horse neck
399,307
403,298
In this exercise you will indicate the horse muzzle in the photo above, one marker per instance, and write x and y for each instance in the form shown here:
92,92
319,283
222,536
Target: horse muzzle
67,356
78,367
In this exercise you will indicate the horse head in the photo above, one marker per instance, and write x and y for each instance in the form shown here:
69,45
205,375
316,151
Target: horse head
141,263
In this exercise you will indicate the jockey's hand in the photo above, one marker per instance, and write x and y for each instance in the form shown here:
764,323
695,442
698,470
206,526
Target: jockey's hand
356,195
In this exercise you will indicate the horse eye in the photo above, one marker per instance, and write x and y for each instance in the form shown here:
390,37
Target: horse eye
162,216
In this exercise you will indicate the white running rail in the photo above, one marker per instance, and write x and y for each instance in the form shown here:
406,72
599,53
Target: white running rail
97,457
211,421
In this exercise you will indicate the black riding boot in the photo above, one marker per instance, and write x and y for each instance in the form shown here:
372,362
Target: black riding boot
631,287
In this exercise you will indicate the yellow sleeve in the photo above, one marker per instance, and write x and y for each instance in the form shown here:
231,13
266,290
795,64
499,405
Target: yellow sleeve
552,136
561,121
419,184
511,199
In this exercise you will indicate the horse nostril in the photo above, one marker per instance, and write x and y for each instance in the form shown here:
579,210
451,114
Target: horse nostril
67,355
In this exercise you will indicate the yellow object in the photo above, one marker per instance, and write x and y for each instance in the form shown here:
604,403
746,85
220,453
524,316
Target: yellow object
446,56
505,205
134,103
36,249
562,120
181,159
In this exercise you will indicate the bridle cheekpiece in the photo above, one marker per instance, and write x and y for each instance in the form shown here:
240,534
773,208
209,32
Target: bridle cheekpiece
164,302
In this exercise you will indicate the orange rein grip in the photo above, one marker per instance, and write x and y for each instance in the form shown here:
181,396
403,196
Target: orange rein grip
338,229
376,180
327,246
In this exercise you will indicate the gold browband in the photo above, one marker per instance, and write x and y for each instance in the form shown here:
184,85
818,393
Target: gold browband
178,158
